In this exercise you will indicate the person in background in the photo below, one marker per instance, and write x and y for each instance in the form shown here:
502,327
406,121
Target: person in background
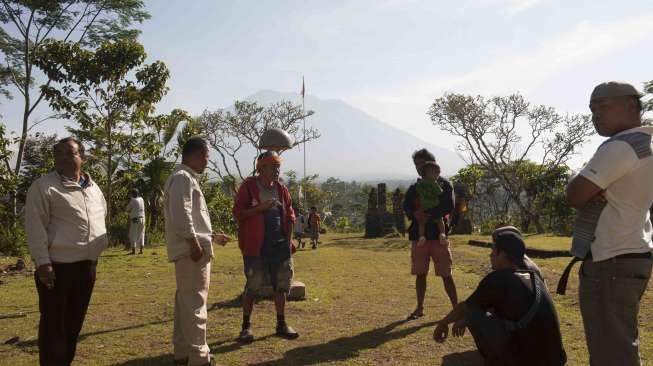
434,249
298,228
314,226
136,208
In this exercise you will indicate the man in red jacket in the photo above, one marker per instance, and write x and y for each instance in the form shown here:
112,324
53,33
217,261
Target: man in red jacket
263,209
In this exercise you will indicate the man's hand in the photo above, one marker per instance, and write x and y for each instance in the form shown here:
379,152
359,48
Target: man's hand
220,238
443,239
441,332
458,328
45,273
196,250
266,205
599,199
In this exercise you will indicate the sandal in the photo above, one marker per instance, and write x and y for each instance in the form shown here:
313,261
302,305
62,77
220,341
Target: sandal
415,315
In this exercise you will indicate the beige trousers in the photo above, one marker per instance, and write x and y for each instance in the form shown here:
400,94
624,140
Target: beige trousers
189,333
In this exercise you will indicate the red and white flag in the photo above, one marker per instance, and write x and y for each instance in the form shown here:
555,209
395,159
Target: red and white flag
303,89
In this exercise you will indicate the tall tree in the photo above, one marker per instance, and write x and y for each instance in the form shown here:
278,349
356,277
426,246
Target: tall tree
27,25
94,88
159,163
232,133
501,133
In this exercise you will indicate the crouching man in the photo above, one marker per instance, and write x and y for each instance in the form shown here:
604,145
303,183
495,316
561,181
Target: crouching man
510,314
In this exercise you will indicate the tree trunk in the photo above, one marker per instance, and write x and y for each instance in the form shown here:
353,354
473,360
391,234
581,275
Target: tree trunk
538,224
109,175
525,221
154,213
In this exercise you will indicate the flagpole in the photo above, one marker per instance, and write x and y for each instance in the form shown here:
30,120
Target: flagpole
304,128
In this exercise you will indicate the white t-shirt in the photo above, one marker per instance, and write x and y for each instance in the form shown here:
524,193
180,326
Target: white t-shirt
136,207
623,167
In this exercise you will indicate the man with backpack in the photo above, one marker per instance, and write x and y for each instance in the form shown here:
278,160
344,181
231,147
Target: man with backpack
510,314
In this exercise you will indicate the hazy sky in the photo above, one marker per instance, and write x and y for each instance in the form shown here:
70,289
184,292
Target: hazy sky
391,58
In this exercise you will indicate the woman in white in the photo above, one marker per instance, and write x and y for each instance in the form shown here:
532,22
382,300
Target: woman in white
136,208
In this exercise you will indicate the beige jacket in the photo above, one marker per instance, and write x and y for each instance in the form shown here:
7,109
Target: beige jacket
186,213
64,222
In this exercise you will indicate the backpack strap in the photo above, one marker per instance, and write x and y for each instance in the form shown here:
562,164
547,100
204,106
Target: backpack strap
523,322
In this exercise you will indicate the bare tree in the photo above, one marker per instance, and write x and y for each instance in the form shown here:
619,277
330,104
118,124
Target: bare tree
501,133
230,133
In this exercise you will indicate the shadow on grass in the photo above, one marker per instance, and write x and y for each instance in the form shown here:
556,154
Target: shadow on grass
29,345
25,346
344,348
348,238
232,345
236,302
154,361
467,358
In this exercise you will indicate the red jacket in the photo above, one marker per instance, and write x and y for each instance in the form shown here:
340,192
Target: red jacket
252,229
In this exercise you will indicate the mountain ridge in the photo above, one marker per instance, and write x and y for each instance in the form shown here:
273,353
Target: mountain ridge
353,144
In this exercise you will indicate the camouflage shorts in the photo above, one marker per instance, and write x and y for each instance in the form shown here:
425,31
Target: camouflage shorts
262,271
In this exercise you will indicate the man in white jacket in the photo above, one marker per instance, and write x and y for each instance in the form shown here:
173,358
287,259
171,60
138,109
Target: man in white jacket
64,221
189,240
136,208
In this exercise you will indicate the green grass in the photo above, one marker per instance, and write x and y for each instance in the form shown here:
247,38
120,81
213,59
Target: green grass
535,241
359,291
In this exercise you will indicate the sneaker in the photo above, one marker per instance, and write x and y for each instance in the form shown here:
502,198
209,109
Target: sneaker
246,336
285,331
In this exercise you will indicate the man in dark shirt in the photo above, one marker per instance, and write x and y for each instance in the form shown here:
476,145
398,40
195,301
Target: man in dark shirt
434,249
502,299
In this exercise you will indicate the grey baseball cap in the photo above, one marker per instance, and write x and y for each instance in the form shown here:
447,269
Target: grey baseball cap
614,89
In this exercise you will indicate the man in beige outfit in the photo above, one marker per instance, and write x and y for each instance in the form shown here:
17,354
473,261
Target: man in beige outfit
189,240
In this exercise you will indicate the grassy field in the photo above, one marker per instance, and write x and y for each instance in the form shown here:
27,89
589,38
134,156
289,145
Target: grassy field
359,291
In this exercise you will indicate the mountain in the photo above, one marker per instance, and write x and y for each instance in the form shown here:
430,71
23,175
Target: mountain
355,145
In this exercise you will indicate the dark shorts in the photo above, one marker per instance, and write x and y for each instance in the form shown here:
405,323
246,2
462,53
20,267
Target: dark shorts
314,233
263,271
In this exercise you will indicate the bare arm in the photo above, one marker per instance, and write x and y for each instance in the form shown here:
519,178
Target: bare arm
456,315
581,191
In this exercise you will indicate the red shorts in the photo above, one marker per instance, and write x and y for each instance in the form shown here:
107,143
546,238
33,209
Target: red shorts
432,249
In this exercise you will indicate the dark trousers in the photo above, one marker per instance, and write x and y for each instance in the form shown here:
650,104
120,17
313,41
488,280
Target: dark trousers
63,309
491,338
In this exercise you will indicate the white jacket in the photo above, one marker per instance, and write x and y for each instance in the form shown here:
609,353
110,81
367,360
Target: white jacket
64,222
186,213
